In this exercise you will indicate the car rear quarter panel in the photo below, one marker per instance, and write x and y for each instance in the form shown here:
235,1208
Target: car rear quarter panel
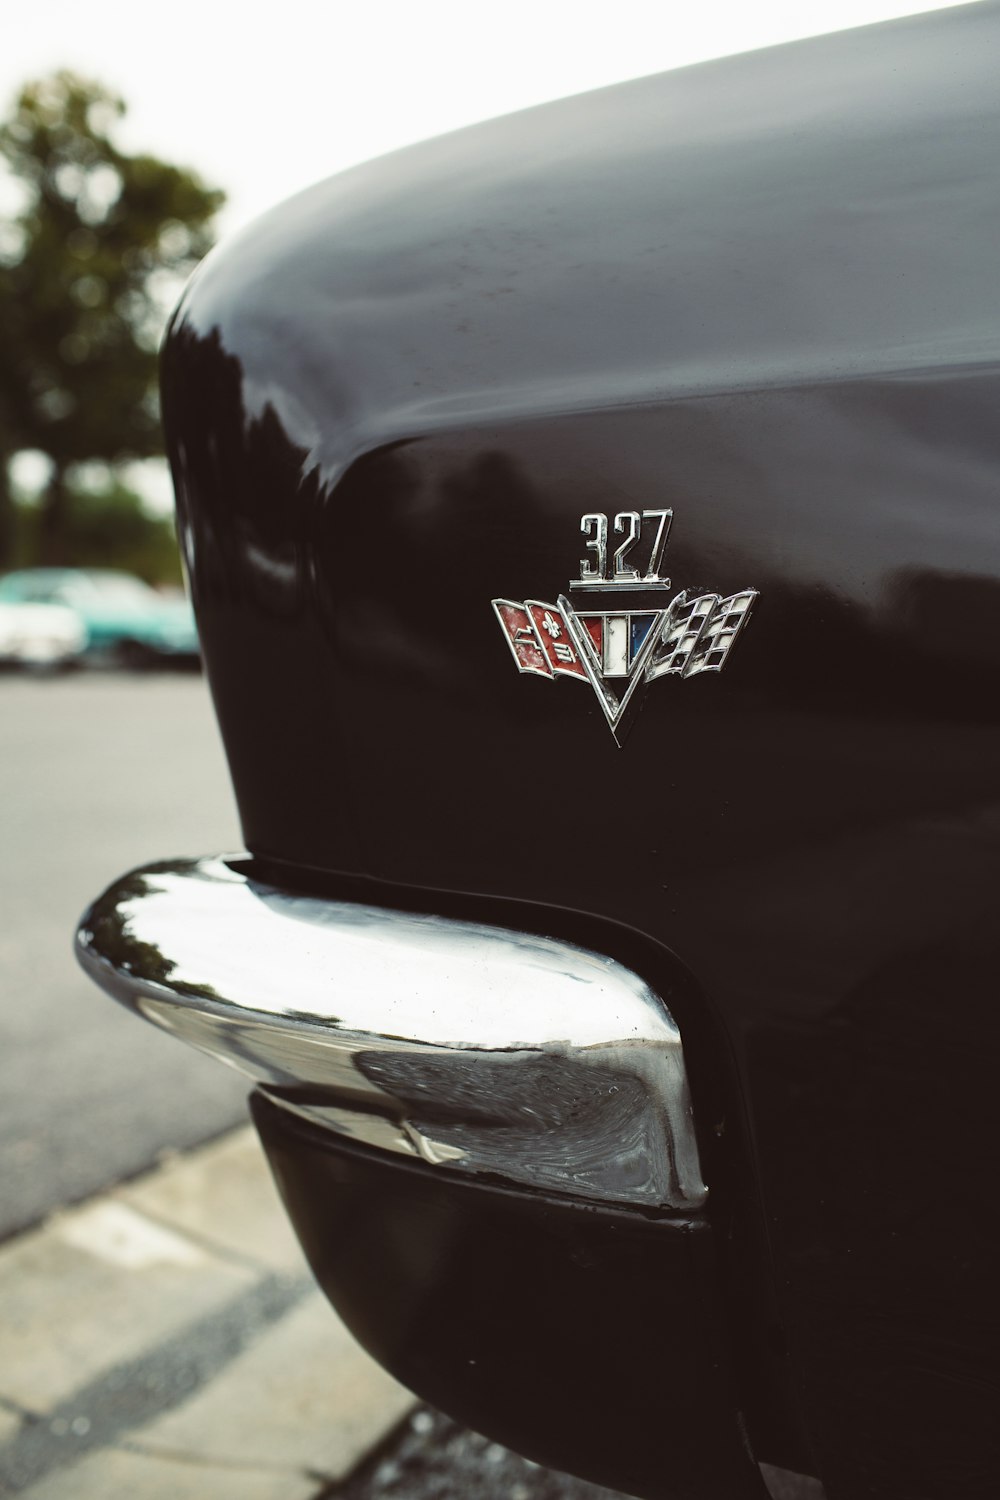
764,293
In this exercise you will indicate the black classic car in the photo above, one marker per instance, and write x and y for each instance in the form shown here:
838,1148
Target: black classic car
593,523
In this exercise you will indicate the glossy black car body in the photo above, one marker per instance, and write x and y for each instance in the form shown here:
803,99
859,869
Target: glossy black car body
763,292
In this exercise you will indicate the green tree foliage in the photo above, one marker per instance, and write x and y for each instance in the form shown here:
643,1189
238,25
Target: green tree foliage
88,268
105,525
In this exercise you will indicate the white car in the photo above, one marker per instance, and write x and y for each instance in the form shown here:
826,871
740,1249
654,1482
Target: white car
40,635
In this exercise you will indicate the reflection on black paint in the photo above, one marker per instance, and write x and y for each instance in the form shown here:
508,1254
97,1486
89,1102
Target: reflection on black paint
233,477
823,650
403,559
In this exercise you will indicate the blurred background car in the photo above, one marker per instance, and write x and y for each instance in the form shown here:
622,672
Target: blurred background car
119,615
40,635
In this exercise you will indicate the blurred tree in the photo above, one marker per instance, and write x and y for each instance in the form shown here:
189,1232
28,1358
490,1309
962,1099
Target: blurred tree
105,527
88,267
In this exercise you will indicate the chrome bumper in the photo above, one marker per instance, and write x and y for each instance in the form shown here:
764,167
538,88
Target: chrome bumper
473,1048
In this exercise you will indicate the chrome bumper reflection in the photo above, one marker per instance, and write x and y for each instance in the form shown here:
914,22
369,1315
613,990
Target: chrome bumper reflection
476,1048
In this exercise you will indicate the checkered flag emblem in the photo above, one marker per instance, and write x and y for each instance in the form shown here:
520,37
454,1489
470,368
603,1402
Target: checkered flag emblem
619,652
621,648
698,634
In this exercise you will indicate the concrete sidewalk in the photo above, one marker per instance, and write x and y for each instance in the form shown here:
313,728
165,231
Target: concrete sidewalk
166,1341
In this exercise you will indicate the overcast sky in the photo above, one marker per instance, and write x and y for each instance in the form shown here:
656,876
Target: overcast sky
266,98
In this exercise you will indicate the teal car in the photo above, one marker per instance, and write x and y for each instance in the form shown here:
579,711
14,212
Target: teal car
123,617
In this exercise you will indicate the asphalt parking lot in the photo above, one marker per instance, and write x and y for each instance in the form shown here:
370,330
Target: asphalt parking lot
101,771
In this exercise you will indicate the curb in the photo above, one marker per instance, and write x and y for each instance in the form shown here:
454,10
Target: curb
166,1340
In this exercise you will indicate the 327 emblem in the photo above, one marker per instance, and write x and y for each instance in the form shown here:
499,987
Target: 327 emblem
619,649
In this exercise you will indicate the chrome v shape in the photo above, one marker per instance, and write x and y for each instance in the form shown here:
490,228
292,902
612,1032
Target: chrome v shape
615,707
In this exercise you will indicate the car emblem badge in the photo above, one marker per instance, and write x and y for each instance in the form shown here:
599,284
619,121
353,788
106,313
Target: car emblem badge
619,649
